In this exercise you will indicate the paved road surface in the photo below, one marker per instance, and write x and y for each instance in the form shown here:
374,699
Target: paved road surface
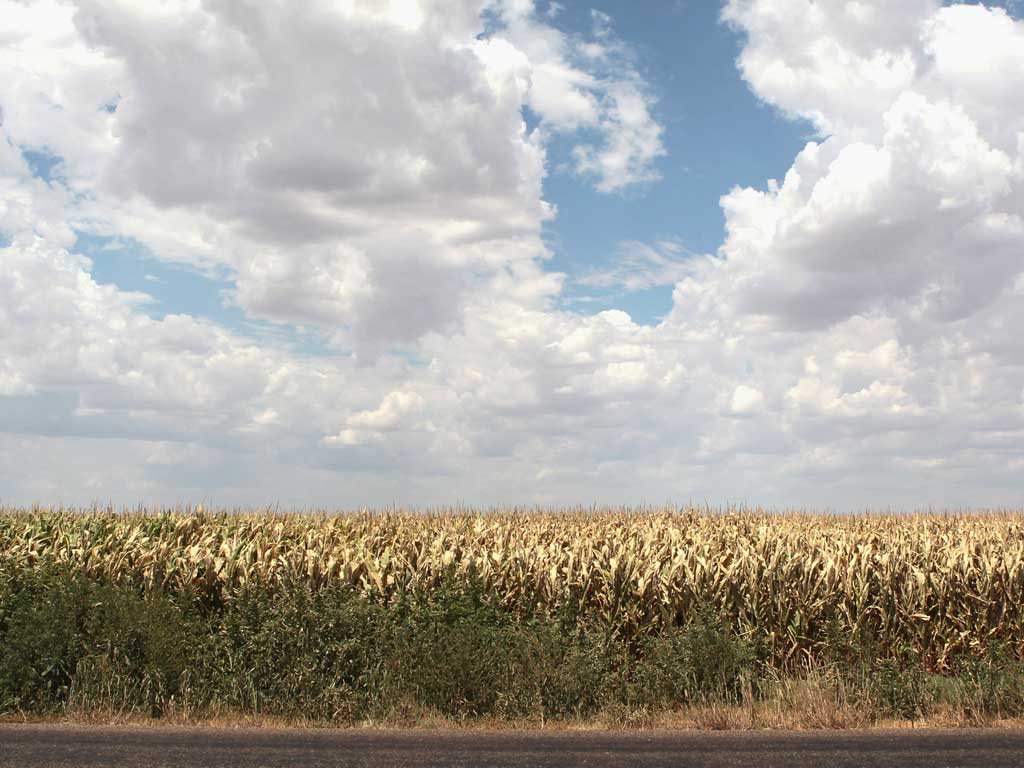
30,746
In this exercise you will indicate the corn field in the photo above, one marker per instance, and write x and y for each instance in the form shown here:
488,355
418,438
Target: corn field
935,585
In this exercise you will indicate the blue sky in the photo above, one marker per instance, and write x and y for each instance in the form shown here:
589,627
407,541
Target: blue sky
785,265
717,135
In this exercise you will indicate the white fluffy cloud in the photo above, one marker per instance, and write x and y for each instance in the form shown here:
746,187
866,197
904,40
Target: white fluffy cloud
586,83
355,167
364,169
875,292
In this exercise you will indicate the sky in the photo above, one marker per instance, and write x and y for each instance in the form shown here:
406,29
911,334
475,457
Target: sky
495,252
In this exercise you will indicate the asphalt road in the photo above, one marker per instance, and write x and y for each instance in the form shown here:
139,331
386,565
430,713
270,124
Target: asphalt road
29,746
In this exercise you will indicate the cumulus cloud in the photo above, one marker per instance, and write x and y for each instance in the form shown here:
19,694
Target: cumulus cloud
365,170
579,83
887,259
832,62
352,166
393,411
358,168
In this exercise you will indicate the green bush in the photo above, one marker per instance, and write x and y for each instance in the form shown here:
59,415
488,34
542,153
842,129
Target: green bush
69,642
458,654
699,662
63,636
291,652
40,637
990,685
898,690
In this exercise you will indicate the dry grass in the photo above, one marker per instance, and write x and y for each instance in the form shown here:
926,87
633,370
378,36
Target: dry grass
802,715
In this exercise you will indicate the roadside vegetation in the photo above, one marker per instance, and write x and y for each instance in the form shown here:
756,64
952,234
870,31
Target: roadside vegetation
678,617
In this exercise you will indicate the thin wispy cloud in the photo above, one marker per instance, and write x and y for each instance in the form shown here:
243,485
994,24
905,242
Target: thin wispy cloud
638,266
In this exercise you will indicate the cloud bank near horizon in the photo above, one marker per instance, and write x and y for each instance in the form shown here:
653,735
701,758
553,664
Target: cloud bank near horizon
364,177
